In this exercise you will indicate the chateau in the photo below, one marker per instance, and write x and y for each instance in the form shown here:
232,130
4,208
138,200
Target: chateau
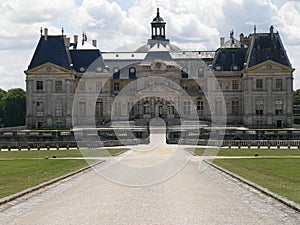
247,81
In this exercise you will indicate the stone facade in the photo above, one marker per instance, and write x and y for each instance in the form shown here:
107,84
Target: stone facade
245,82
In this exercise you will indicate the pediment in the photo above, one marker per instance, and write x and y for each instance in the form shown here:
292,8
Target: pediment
269,66
48,68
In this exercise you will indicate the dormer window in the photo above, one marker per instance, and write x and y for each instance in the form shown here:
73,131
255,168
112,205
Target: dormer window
132,73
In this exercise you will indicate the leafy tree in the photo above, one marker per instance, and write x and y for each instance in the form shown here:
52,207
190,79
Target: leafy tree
14,107
2,97
297,97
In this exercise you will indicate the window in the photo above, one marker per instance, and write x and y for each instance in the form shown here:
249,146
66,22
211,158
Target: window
201,72
218,106
99,87
99,108
171,110
39,85
259,83
186,107
59,108
58,86
130,108
278,84
39,109
116,87
185,86
218,85
200,107
81,86
117,109
278,107
259,106
82,108
147,109
235,85
235,107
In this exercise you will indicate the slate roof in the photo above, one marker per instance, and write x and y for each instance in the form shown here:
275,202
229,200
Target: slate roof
265,47
53,50
90,60
227,58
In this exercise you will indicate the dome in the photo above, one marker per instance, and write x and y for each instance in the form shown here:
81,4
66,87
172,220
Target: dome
158,18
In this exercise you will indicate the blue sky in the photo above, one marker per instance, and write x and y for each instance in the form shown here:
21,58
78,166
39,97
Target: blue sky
191,24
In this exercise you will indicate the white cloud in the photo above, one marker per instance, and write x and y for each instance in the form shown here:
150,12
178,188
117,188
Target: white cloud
191,24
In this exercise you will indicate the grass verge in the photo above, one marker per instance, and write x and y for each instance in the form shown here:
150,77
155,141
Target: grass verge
17,175
281,176
60,153
247,152
20,170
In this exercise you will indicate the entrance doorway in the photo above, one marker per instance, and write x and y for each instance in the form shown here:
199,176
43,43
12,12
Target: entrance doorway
279,123
39,125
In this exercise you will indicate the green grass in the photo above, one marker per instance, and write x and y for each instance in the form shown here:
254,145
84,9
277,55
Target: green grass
248,152
60,153
17,175
23,169
281,176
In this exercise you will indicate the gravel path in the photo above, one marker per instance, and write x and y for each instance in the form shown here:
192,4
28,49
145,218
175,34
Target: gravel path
190,197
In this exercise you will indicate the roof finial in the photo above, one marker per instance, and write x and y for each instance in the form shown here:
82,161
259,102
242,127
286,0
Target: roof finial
41,31
254,29
62,31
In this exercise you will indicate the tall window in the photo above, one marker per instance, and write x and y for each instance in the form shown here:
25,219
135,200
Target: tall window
259,106
259,83
39,109
81,86
130,108
39,85
218,85
278,84
58,86
59,108
116,87
184,86
278,106
200,107
218,106
186,107
99,108
235,107
99,87
171,109
235,85
147,109
201,72
117,108
82,108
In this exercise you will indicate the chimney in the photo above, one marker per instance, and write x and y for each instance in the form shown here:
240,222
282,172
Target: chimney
272,31
222,41
46,34
75,39
94,42
68,42
242,38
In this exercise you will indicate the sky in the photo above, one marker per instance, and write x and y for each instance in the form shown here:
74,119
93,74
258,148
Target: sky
191,25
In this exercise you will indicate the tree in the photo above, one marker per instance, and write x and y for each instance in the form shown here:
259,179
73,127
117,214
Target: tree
296,97
14,107
2,97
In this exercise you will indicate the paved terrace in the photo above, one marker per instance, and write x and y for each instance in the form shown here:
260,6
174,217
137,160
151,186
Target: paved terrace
194,194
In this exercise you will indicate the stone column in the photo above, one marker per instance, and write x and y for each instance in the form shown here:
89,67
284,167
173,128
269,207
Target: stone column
29,105
68,98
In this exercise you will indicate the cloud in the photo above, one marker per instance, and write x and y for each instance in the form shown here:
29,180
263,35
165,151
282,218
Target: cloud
191,24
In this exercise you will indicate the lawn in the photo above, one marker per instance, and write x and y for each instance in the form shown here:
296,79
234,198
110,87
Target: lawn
281,176
247,152
17,175
60,153
23,169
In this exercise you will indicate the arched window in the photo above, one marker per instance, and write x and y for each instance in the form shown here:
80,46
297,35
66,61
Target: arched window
132,73
116,73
